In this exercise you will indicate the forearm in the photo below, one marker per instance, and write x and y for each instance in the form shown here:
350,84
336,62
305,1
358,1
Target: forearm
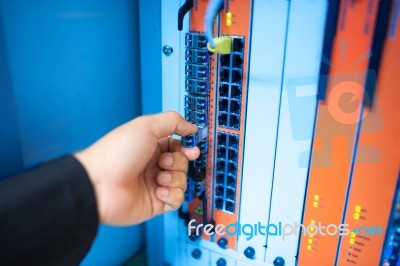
47,215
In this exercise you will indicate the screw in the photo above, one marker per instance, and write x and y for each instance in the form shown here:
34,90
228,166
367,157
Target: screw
196,253
167,50
249,252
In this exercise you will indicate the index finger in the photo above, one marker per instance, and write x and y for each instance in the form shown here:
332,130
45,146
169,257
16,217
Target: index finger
171,122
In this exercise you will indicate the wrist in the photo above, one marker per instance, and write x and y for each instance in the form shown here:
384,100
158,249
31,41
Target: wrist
85,159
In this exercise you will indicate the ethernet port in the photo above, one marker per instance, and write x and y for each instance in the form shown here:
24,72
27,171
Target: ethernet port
237,60
223,119
219,191
230,194
224,75
221,165
221,153
222,137
220,178
231,181
223,105
236,76
224,90
235,107
219,203
234,122
232,168
232,155
233,141
225,60
236,92
238,45
230,206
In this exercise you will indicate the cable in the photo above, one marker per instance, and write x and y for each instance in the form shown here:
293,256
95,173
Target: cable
213,8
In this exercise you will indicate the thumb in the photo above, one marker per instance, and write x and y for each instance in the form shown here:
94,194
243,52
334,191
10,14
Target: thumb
171,122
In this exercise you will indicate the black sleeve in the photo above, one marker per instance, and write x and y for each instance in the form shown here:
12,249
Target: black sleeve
48,216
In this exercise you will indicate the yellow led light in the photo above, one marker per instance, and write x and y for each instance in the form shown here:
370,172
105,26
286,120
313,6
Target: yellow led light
312,221
351,241
353,235
356,216
310,236
308,247
309,241
316,197
312,229
358,208
229,15
315,204
228,22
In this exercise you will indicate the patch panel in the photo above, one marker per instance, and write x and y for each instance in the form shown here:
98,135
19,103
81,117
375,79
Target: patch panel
197,86
226,171
230,87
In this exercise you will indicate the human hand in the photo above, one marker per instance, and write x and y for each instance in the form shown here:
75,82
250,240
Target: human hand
137,170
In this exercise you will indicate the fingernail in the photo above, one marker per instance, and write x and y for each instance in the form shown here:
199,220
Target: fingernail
164,192
166,177
168,160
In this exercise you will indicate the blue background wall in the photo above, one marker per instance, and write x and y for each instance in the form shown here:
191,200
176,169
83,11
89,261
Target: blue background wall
69,72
